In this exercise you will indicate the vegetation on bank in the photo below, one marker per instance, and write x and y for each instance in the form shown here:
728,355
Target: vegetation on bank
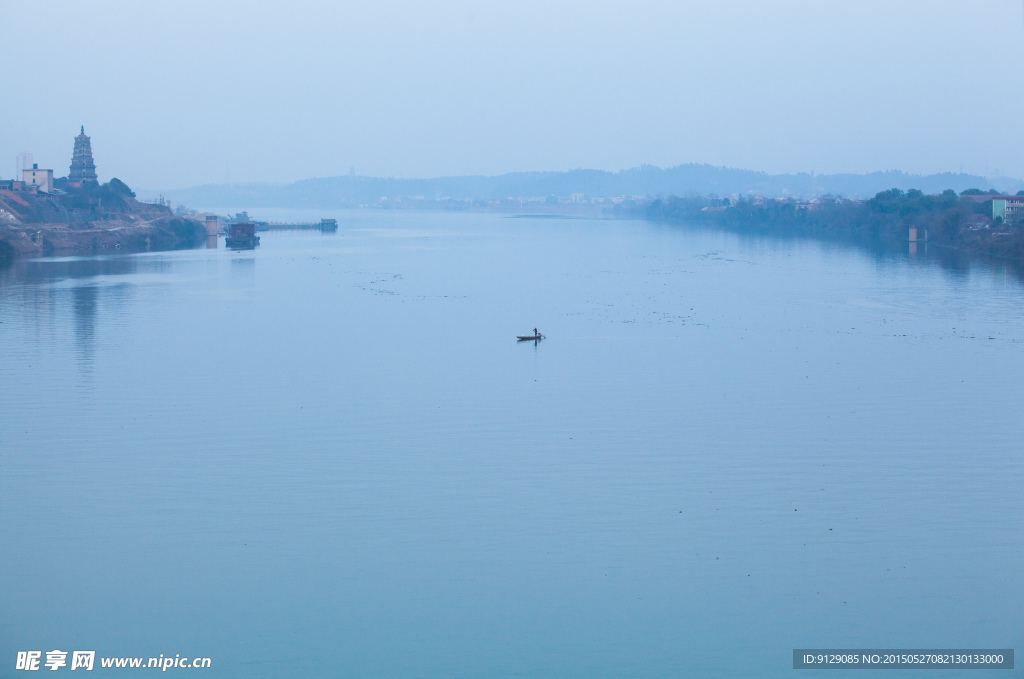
89,202
958,221
89,218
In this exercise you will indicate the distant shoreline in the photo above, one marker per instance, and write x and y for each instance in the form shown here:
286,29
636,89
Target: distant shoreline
541,189
911,219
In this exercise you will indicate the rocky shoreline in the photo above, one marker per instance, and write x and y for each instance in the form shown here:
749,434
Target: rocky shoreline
87,217
130,234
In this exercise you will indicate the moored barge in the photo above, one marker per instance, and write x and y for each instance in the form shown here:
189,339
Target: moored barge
242,237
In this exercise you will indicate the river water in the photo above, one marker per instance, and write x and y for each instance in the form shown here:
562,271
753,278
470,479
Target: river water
330,457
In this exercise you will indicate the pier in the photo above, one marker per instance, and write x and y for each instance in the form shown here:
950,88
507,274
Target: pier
288,226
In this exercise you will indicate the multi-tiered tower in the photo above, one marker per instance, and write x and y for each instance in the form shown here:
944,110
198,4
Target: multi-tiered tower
82,167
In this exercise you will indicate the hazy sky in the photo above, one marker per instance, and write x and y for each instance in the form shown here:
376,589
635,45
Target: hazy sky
191,92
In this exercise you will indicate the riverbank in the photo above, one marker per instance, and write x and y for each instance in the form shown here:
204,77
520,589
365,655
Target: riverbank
88,219
129,235
957,222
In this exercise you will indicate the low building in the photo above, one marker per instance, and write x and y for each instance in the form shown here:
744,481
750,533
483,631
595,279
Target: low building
41,180
1010,208
978,222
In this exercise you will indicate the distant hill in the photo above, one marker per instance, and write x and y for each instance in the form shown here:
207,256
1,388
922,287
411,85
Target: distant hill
644,181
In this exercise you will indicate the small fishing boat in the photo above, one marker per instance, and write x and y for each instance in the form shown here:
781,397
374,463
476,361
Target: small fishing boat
527,338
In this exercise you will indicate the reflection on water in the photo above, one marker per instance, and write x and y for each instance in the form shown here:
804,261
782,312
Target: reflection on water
42,271
45,287
341,446
84,305
956,262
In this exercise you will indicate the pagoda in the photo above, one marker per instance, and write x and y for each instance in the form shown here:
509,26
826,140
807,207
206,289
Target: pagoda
82,167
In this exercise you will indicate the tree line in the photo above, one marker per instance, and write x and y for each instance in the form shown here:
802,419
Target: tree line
962,221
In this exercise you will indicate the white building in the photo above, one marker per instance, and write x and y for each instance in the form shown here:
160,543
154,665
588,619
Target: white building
41,179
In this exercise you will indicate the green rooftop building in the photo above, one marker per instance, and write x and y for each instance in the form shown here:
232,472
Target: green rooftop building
1009,208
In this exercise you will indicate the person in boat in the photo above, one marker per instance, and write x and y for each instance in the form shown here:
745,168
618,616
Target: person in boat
535,333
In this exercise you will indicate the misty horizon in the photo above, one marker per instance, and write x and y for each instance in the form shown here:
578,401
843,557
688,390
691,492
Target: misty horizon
635,168
269,93
635,183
